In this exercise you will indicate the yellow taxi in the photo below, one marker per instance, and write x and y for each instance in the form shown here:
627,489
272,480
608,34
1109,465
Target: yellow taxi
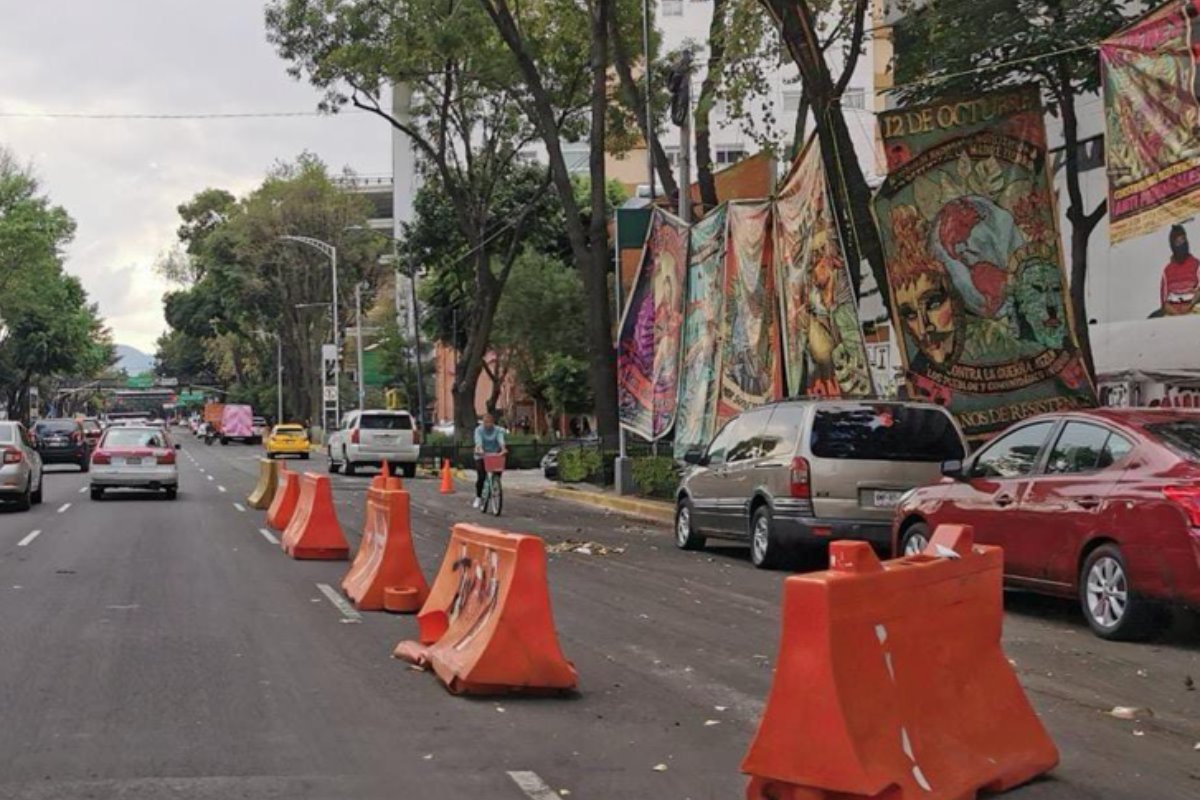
287,440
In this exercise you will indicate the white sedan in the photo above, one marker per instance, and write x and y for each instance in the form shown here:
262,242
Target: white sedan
129,457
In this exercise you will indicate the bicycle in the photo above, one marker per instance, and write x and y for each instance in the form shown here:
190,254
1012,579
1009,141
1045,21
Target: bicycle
493,489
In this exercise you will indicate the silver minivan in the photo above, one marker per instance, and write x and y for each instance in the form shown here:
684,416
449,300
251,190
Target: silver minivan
799,473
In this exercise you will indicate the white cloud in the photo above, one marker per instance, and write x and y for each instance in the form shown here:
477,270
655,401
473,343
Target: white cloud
123,179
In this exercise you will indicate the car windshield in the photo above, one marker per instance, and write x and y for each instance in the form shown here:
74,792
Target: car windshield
885,432
56,426
386,422
1181,435
6,434
134,437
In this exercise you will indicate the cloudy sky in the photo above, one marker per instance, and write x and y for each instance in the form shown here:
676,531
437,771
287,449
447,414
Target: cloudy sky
122,179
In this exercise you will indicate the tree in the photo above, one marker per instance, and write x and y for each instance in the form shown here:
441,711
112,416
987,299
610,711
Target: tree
800,28
957,47
466,123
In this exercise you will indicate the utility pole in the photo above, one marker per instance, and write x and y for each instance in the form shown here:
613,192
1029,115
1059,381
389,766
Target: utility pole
358,344
416,329
681,115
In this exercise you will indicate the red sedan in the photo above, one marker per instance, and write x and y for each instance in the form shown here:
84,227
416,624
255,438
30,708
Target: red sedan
1102,505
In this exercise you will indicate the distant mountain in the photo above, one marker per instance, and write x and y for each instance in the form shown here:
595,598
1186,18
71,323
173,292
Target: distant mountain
132,360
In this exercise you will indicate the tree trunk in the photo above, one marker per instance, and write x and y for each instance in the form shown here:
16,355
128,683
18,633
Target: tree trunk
850,196
701,121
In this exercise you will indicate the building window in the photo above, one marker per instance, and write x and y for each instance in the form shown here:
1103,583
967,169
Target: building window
672,156
729,155
791,100
854,97
672,8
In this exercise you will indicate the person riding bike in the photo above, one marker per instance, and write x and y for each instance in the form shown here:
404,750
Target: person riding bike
489,440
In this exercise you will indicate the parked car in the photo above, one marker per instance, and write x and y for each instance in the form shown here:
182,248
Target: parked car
259,429
135,458
550,464
20,466
61,441
288,440
1100,505
373,436
792,475
91,430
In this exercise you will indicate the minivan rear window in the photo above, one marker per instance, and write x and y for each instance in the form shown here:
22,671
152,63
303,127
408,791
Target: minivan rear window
1181,435
386,422
885,432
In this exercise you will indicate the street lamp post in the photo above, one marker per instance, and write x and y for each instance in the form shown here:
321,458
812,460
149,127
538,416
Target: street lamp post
331,253
358,339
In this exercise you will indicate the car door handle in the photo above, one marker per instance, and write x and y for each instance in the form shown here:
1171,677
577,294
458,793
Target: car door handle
1088,502
1003,500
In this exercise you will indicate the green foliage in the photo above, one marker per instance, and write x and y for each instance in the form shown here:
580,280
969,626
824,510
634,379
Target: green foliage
577,464
564,381
655,476
48,329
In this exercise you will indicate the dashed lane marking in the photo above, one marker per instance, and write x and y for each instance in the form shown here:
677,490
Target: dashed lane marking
347,610
240,507
533,786
63,507
210,477
270,537
25,542
83,489
221,489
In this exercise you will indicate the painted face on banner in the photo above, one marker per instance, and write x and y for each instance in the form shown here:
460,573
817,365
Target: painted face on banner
927,308
1040,303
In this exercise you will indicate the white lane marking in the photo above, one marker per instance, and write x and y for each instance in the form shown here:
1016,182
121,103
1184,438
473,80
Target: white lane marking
270,537
210,477
240,507
83,489
28,539
533,786
221,489
63,507
347,610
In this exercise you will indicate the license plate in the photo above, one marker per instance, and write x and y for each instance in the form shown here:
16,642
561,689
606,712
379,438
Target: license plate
884,499
133,462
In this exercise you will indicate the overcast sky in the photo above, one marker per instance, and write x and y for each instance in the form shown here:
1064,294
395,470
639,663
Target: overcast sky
122,179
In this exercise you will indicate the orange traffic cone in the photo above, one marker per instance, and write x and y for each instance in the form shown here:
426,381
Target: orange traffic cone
447,478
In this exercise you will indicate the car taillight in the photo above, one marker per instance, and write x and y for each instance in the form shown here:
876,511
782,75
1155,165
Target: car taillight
167,458
1187,498
101,457
12,456
798,479
354,436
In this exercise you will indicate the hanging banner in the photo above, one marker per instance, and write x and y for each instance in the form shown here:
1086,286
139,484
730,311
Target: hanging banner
970,236
648,352
750,366
823,351
696,412
1152,112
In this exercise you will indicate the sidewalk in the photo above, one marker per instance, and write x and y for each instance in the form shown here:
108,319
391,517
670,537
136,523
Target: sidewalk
654,510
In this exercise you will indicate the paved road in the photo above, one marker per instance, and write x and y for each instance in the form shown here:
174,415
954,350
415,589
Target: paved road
151,649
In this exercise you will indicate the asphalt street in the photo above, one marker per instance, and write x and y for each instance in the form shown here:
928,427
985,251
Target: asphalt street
155,649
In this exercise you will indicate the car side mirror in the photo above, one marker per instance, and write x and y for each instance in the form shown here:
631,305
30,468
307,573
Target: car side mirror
954,469
694,456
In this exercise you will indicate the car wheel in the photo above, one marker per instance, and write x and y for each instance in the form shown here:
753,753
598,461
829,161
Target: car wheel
1110,603
97,493
914,540
333,465
686,536
26,498
347,464
172,492
304,456
84,465
409,470
36,494
224,441
271,456
765,549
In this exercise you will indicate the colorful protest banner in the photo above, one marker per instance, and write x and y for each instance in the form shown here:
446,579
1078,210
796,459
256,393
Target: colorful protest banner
750,366
823,350
1152,112
970,237
648,352
696,412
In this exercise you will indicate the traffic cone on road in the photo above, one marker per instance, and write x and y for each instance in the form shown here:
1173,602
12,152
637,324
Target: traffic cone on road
447,478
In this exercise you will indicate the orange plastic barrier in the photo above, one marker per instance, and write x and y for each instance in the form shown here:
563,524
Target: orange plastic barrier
447,479
891,682
385,479
489,612
283,505
386,558
314,532
264,491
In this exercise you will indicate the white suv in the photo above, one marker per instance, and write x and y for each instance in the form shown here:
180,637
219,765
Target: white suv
369,437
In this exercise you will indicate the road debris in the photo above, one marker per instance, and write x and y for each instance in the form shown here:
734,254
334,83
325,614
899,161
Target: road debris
585,548
1129,712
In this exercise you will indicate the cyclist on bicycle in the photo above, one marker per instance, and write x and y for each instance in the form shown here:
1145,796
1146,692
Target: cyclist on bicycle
489,440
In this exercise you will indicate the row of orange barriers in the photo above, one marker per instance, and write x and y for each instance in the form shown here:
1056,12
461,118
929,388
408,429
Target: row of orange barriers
890,683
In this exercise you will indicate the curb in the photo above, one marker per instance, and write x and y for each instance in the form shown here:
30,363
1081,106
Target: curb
655,510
